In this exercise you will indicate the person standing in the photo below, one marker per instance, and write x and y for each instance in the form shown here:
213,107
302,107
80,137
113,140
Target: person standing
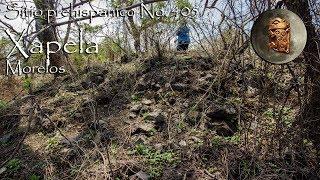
183,37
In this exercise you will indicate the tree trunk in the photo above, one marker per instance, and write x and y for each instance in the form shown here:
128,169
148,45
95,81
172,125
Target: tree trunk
309,117
135,31
50,34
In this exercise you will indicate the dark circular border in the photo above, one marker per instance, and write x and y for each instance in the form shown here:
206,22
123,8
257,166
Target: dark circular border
260,38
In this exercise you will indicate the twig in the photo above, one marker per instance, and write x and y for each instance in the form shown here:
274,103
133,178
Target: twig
8,115
46,116
32,102
108,157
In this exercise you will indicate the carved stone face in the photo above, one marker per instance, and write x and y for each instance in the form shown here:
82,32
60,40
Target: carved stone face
279,35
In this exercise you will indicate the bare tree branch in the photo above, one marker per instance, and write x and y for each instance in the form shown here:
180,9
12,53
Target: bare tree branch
76,5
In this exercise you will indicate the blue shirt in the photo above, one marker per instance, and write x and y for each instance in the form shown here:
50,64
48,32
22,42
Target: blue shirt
183,35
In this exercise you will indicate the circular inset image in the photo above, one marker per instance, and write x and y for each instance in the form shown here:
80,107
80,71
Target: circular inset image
278,36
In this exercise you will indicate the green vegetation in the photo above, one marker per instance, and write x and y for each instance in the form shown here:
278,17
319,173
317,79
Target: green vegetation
27,83
233,139
181,4
14,165
140,107
135,98
146,116
52,143
34,177
3,104
286,116
155,159
217,141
